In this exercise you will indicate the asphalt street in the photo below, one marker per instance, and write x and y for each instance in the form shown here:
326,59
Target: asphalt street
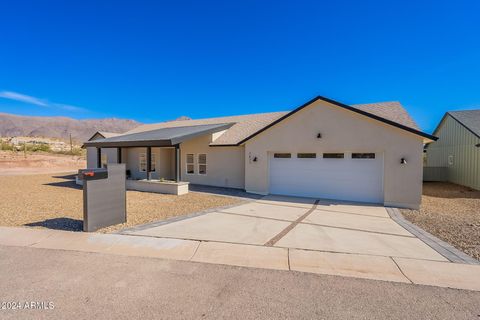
78,285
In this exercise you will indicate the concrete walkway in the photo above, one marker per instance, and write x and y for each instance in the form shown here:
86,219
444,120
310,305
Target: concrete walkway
396,269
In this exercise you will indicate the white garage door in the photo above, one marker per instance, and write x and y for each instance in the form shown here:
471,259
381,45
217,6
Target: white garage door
355,177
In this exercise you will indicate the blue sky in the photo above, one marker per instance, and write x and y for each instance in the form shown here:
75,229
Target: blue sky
154,60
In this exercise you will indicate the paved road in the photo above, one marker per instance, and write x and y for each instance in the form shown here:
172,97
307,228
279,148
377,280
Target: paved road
90,285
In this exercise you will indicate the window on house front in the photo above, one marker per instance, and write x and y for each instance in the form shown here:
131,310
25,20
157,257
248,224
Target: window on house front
333,155
363,155
202,163
306,155
104,160
282,155
142,162
190,163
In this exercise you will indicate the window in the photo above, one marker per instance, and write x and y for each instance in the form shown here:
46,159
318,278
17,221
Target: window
363,155
333,155
104,160
306,155
202,163
190,163
142,162
282,155
153,165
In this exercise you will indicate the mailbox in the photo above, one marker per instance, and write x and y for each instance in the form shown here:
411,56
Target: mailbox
104,196
92,174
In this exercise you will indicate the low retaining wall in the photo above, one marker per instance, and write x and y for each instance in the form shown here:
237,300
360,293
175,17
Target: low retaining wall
157,186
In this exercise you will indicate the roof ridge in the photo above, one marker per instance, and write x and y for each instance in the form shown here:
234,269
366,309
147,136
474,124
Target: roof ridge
381,102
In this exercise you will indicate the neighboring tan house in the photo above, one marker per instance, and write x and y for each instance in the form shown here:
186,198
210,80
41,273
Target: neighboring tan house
455,157
323,149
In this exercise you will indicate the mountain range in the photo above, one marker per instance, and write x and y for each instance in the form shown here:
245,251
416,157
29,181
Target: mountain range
60,127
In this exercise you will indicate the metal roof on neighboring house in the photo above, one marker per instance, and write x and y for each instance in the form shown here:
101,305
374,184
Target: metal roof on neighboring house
470,119
157,138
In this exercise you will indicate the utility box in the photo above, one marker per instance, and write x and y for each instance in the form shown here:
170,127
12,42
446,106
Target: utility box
104,196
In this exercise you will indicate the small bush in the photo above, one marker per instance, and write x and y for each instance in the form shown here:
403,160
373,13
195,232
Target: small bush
6,146
38,147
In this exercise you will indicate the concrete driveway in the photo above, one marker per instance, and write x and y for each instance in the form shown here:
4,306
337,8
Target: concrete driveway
301,223
316,236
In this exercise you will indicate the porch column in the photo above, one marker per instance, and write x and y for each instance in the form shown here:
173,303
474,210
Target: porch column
119,155
99,157
177,163
149,162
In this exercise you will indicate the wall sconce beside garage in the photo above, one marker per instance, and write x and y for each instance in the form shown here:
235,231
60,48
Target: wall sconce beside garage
252,158
403,161
319,135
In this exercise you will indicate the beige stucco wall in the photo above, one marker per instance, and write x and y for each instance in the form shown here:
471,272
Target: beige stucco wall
164,161
225,165
342,131
92,156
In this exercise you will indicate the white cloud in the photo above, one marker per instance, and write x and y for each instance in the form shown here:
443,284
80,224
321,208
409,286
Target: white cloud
39,102
23,98
70,107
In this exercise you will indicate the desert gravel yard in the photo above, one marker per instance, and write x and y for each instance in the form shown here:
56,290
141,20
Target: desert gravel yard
452,213
55,201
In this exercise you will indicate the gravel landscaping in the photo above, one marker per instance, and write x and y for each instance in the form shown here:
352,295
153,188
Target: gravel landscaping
55,201
451,213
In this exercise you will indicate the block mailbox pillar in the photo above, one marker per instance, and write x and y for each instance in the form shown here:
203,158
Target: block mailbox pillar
104,196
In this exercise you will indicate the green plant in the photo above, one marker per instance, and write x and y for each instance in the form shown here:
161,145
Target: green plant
6,146
39,147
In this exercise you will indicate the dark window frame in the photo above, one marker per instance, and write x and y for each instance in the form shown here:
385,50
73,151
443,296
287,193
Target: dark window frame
306,155
282,155
363,155
333,155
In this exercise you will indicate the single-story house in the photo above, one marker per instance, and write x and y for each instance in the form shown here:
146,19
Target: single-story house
323,149
455,157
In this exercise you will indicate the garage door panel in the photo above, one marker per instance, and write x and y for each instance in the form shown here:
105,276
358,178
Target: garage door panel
343,179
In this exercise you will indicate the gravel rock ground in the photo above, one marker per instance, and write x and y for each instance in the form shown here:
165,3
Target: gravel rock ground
55,201
451,213
17,163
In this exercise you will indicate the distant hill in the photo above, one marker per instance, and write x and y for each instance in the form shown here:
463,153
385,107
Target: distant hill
60,127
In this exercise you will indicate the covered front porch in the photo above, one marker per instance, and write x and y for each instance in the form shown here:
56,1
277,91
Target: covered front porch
152,158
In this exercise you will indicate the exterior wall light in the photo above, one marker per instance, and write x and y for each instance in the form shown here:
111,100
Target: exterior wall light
477,145
319,135
403,161
255,159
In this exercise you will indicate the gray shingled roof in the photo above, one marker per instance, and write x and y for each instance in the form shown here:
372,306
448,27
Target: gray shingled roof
108,134
389,110
158,137
470,119
246,125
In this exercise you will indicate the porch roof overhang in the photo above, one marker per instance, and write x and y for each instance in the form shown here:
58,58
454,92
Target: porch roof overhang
165,137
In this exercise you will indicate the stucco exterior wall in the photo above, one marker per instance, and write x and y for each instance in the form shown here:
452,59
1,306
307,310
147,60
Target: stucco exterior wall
225,165
111,154
456,141
342,131
164,163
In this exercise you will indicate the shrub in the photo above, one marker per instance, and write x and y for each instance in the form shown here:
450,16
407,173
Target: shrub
6,146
